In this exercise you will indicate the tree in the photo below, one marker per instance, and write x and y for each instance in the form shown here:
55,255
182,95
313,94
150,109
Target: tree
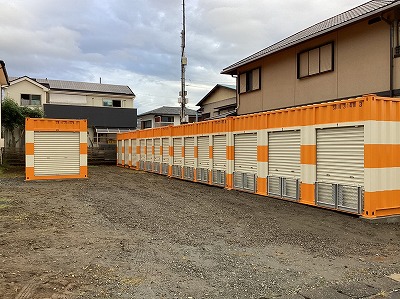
13,117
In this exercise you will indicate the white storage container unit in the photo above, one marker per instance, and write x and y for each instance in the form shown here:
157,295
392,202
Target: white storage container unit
203,158
119,152
157,155
142,157
340,168
127,154
245,162
188,169
55,149
177,160
149,154
284,168
165,156
219,160
134,154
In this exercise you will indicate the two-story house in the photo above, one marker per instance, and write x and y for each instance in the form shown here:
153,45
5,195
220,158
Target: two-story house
164,116
108,108
218,102
3,82
354,53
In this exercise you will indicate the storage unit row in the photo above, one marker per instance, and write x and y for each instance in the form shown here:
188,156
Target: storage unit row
339,155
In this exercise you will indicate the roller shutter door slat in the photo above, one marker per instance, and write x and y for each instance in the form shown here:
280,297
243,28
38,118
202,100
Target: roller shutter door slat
219,152
142,150
189,151
56,153
203,158
134,155
157,156
149,144
246,153
119,151
165,145
177,143
284,154
126,154
340,155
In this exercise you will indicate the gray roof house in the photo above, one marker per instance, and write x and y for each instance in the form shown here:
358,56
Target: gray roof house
164,116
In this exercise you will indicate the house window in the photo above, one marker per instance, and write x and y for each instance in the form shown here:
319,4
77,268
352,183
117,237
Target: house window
315,61
30,100
145,124
167,119
111,103
250,80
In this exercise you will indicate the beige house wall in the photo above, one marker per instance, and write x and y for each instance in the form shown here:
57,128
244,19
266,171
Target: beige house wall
220,97
24,87
87,99
361,66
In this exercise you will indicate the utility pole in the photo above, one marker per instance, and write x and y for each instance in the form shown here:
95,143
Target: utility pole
182,94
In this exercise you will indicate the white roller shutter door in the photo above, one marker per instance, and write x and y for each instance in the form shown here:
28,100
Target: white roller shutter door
142,150
189,151
203,157
219,152
246,153
284,154
56,153
126,154
134,155
157,156
119,152
165,145
340,155
149,154
177,144
340,168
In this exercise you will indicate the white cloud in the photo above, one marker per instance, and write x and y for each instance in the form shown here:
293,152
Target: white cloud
137,43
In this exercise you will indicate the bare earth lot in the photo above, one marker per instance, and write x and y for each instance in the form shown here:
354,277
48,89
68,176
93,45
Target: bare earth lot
129,234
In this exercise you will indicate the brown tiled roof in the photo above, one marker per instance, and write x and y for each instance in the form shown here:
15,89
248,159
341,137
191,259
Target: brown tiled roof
356,14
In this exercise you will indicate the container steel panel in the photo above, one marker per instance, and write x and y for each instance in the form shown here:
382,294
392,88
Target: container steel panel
189,151
56,153
177,143
340,156
203,157
219,152
119,152
157,156
149,146
246,153
284,154
165,153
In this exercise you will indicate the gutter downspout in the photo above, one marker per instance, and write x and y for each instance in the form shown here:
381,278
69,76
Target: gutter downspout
391,53
237,93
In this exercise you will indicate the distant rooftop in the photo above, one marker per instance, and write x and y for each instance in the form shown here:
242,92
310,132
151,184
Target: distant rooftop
233,87
82,86
165,110
358,13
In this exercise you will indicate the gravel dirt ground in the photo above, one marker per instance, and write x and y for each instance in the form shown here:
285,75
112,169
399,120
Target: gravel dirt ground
130,234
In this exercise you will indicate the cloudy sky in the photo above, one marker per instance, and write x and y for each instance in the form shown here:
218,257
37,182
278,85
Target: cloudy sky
137,42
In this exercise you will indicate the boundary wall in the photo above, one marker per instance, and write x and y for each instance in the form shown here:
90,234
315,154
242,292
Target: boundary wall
55,149
341,155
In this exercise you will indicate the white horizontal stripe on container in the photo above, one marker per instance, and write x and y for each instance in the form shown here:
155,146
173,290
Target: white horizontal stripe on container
308,135
308,173
262,137
83,137
83,160
262,169
30,161
382,132
382,179
29,136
